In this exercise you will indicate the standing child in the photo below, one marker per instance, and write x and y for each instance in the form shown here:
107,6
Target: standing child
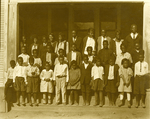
46,88
97,75
25,56
19,78
111,78
86,68
74,82
61,77
37,60
125,73
90,55
9,82
32,81
141,69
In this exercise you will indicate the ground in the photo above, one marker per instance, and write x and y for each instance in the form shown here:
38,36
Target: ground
76,112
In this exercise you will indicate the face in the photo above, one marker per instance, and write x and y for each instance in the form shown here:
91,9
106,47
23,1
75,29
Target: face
51,38
60,37
73,66
35,40
73,33
73,48
111,62
20,62
61,60
125,64
35,53
137,46
123,49
89,50
13,64
61,52
105,45
91,34
133,28
31,62
103,33
48,49
44,39
86,60
23,39
141,58
98,63
23,50
47,67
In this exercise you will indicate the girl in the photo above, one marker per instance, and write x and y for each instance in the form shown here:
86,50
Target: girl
32,81
125,73
111,78
74,82
97,83
46,88
34,45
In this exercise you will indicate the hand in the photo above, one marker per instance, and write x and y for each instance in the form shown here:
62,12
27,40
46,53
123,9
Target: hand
26,82
127,84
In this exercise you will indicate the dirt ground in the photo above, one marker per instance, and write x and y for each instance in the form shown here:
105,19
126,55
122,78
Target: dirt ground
76,112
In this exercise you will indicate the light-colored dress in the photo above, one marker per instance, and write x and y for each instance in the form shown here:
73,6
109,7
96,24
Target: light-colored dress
126,73
46,86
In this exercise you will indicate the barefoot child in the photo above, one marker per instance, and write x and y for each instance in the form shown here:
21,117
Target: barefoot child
125,73
46,88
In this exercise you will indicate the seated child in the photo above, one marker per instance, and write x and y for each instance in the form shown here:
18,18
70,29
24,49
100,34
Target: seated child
61,53
74,55
46,87
9,82
32,81
24,56
125,73
140,80
74,83
111,78
19,80
97,83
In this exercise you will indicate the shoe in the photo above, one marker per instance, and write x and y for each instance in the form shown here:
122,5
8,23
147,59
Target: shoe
121,103
143,105
136,106
36,104
18,104
101,105
23,104
31,104
129,105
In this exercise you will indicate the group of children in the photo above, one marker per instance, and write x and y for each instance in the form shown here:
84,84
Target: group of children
52,66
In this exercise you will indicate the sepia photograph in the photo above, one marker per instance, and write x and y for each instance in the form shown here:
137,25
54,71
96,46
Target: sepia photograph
74,59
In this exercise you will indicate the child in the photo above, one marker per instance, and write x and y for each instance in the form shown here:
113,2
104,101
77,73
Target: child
94,57
61,53
141,69
86,68
46,88
33,46
61,77
37,60
125,73
32,81
111,78
74,82
52,41
105,53
24,56
19,80
89,51
9,82
61,44
23,43
97,75
89,41
74,55
124,54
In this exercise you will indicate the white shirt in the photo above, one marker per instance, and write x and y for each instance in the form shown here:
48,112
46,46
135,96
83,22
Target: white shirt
61,70
33,47
118,44
57,60
103,39
38,61
48,58
141,68
90,58
121,56
74,39
31,69
25,58
97,72
10,73
46,74
90,42
111,73
133,36
19,71
74,55
85,65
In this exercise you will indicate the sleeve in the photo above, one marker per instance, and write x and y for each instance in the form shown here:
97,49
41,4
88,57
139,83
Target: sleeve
120,71
14,74
52,73
42,75
130,72
135,69
40,62
92,72
67,73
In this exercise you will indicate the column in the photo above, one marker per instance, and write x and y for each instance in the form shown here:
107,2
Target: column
97,22
49,20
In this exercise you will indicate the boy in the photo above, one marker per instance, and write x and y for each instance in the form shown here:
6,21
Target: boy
74,55
90,56
105,53
19,80
61,77
9,82
97,75
24,56
89,41
32,81
86,68
37,60
61,53
141,69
